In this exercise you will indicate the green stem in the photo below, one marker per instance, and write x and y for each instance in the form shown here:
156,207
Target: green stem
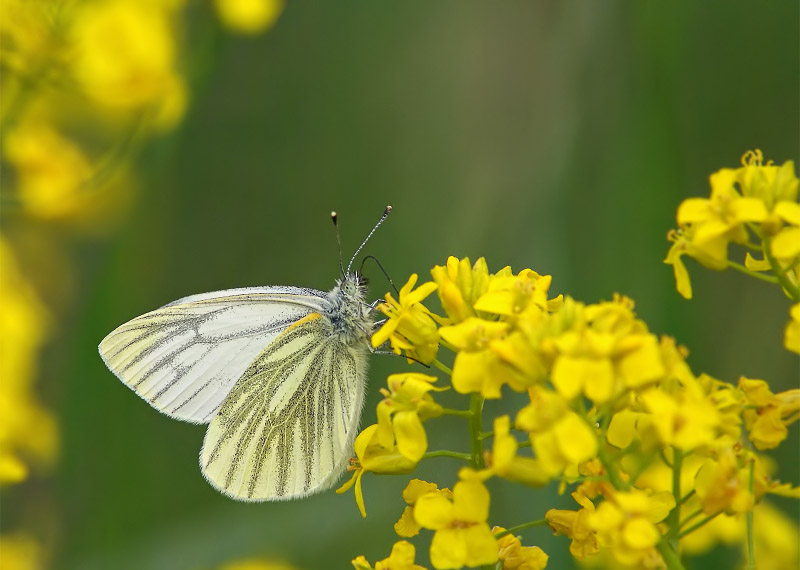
687,496
695,514
523,526
442,367
452,412
694,527
476,425
671,558
447,453
739,267
674,517
751,555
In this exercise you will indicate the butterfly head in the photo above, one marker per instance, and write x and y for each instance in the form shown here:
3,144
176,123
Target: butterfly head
349,312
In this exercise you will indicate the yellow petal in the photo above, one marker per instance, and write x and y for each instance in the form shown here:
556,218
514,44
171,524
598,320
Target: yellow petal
788,211
433,511
786,245
448,549
481,545
412,442
407,526
471,501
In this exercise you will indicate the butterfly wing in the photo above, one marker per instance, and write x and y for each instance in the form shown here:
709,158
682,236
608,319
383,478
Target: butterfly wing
185,357
286,428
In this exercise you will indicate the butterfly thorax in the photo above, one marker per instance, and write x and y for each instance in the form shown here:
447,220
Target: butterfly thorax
348,312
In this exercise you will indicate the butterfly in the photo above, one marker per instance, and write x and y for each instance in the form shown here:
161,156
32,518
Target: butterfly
277,373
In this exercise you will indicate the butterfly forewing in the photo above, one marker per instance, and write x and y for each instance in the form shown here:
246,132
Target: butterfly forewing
185,357
286,428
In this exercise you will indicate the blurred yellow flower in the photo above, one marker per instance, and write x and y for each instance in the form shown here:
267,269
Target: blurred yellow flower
410,327
685,419
514,556
462,536
125,53
21,552
51,171
255,564
401,558
791,338
625,523
722,485
460,285
28,432
249,16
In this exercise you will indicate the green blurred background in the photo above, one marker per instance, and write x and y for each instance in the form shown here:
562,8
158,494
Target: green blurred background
559,136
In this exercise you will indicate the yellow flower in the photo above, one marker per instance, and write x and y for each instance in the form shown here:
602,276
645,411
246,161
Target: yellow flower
775,536
512,296
50,170
769,183
460,286
249,16
410,326
372,456
505,462
625,523
462,536
407,526
22,552
791,338
722,484
575,525
401,558
769,414
685,419
400,414
477,368
125,53
517,557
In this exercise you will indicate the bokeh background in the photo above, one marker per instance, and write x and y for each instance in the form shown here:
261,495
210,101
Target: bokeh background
554,135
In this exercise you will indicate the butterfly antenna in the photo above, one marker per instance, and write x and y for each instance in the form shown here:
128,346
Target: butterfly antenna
385,215
375,259
335,220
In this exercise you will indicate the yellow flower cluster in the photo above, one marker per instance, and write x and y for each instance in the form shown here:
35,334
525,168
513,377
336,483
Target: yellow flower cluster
655,452
755,206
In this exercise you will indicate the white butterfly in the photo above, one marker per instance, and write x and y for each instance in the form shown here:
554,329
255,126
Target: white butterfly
278,373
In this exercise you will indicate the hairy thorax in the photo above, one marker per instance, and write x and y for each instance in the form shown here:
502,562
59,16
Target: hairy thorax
348,311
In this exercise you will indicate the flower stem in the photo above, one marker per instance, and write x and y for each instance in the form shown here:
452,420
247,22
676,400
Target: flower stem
523,526
694,527
751,555
671,558
452,412
448,453
791,289
674,517
476,425
739,267
442,367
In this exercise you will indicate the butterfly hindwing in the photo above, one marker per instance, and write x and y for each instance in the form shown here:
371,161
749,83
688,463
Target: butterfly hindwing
287,426
185,357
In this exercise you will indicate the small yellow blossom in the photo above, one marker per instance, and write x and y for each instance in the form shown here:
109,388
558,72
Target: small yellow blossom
462,536
769,183
768,414
512,296
626,524
407,526
460,285
791,338
514,556
401,558
410,326
575,525
505,462
400,414
722,484
372,456
249,16
22,552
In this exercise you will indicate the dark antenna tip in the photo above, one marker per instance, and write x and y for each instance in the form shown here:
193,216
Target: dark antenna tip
387,210
335,220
